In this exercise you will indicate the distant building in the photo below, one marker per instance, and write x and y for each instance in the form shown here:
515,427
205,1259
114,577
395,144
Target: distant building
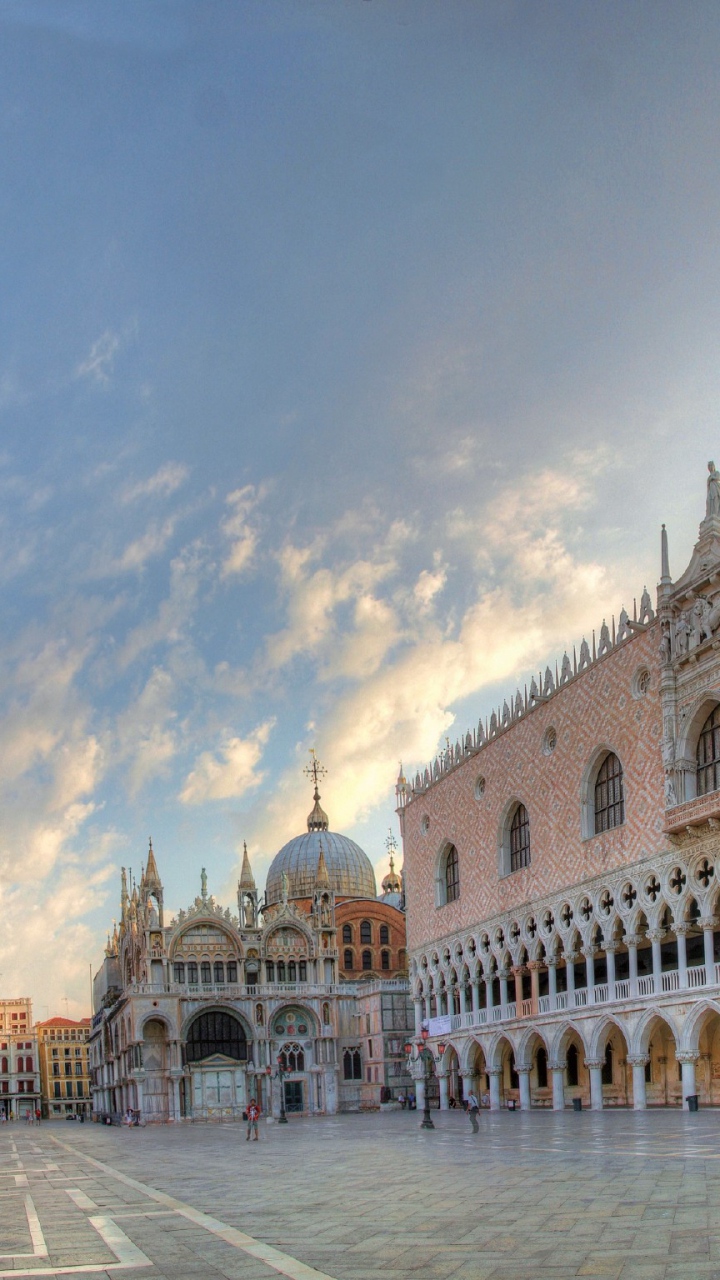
64,1066
195,1017
19,1072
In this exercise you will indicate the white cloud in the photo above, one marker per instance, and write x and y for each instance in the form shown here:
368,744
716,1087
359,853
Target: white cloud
146,737
166,481
149,545
237,527
98,364
231,772
171,622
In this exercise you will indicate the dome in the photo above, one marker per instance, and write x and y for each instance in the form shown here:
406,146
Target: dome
349,868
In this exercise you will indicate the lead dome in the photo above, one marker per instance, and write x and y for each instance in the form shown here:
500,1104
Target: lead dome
349,869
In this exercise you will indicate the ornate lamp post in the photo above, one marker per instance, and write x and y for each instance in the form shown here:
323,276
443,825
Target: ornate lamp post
280,1074
426,1057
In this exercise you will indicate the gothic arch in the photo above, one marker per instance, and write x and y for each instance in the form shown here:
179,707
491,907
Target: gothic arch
695,1024
651,1020
563,1038
686,750
587,787
510,808
154,1015
602,1032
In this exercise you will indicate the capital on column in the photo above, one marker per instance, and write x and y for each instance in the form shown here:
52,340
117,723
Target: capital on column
594,1064
557,1064
687,1055
638,1059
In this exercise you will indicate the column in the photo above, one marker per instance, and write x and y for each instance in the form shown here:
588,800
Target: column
680,932
656,937
488,991
589,954
463,1001
468,1082
687,1061
503,990
610,957
494,1074
595,1066
175,1084
475,999
570,978
557,1070
552,981
632,946
418,1016
535,967
443,1081
638,1062
709,942
524,1078
427,1007
420,1093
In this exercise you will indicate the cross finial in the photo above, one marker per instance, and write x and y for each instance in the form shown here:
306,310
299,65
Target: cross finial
314,769
391,846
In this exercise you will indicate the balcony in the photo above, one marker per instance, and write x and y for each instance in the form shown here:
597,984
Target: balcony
580,998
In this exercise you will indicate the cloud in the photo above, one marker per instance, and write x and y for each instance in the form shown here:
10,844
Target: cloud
98,365
229,774
171,622
146,739
237,527
166,481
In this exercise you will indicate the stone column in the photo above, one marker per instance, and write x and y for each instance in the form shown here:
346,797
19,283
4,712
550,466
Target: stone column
632,940
494,1074
552,981
558,1084
475,999
504,989
589,954
570,977
426,1002
709,941
175,1085
488,991
535,966
595,1066
523,1071
468,1079
687,1061
418,1016
656,937
443,1081
463,1000
680,932
420,1093
638,1062
610,950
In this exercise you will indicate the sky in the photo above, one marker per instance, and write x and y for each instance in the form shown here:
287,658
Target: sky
352,353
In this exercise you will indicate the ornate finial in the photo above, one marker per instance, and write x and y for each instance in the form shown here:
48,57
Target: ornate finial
712,505
391,846
203,884
247,880
317,819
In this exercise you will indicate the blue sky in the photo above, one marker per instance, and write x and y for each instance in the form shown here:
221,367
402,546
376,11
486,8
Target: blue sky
352,353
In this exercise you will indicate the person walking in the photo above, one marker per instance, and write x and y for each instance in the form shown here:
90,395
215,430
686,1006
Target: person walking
253,1115
473,1107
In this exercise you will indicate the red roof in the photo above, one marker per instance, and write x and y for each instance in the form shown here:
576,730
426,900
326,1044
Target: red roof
64,1022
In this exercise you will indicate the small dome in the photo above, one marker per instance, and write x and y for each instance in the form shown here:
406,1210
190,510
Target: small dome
348,867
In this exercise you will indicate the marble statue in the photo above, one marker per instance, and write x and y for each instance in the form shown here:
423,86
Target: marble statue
681,634
203,883
670,797
712,507
285,886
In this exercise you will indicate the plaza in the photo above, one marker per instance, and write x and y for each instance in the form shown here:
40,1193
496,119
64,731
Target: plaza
534,1196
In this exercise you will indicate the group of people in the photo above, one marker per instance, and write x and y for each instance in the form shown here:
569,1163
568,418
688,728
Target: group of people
407,1101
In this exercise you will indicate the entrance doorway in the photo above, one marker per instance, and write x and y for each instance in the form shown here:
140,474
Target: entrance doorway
294,1096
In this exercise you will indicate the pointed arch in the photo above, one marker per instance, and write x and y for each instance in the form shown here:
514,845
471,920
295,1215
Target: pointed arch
648,1024
696,1023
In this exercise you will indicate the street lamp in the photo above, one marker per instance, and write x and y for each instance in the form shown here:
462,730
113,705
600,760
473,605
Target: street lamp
280,1074
428,1063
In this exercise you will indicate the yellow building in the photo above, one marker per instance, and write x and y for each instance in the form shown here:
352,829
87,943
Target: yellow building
64,1069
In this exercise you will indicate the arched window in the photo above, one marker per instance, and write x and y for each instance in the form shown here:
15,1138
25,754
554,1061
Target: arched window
213,1033
384,935
179,971
348,962
708,755
367,959
573,1065
520,839
609,795
352,1064
219,971
292,1058
452,875
192,972
205,971
232,971
366,931
347,933
384,959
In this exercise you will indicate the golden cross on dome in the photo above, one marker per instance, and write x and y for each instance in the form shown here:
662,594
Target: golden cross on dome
314,769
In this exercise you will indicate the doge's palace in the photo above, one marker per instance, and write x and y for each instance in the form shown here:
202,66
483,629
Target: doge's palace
562,868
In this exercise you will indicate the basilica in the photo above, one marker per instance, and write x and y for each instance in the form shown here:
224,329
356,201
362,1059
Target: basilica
298,998
562,862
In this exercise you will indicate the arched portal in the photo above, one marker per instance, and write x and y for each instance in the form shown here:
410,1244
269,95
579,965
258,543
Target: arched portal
216,1052
663,1075
155,1086
707,1067
616,1074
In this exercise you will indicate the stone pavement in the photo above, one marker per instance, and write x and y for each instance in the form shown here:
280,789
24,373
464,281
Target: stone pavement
535,1196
